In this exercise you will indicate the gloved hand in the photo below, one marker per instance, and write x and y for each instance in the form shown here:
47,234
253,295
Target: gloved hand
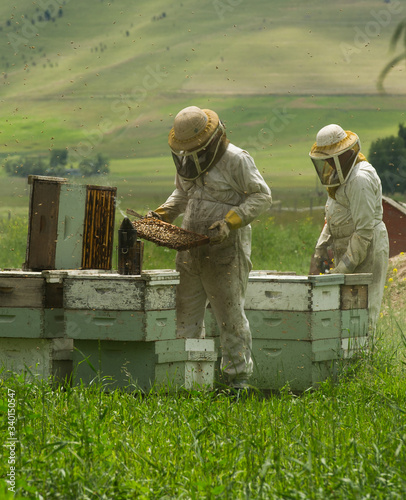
318,258
221,232
340,269
153,214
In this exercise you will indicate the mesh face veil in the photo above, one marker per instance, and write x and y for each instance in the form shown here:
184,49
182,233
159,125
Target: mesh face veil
334,155
191,164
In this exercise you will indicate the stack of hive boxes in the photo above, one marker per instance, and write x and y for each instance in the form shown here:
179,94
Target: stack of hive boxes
32,336
298,328
124,328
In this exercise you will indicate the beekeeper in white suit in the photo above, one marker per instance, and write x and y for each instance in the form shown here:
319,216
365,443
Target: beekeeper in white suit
353,224
220,191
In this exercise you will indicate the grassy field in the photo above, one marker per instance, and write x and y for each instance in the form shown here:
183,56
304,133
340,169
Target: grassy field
346,440
277,131
109,77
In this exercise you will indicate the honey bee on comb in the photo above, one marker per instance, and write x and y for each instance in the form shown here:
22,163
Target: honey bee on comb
168,235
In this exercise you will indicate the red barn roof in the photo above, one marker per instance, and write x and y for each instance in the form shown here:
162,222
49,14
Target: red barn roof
394,217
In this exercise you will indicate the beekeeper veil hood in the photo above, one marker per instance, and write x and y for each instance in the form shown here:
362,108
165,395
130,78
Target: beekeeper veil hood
334,154
197,141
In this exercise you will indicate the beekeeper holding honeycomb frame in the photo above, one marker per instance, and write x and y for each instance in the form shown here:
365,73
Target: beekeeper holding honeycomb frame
220,191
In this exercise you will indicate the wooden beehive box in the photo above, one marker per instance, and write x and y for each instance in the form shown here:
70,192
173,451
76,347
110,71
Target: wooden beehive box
32,336
115,321
71,226
186,363
299,331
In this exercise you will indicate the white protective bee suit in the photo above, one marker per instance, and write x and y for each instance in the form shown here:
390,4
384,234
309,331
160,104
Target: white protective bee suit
229,194
354,227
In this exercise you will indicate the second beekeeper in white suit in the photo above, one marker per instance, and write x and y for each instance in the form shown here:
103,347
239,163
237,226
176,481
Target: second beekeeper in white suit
220,191
353,225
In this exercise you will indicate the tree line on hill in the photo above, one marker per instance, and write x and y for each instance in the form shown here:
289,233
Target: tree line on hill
57,165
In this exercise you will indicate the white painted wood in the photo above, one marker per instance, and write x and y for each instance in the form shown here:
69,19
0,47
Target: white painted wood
108,295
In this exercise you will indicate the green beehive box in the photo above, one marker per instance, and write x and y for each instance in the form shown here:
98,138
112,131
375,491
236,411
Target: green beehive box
32,325
299,364
36,358
115,307
354,334
134,326
21,322
30,305
117,320
301,343
115,363
294,325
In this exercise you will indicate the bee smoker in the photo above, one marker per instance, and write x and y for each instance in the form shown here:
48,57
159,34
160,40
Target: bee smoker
130,250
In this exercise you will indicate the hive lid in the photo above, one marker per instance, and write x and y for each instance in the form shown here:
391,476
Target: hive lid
358,279
315,280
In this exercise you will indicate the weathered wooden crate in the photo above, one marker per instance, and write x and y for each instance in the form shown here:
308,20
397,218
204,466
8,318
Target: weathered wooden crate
32,336
70,226
354,291
30,305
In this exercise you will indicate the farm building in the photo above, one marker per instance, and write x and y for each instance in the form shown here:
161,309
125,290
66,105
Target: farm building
394,217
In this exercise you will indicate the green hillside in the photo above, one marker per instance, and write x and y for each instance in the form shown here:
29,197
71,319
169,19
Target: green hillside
109,76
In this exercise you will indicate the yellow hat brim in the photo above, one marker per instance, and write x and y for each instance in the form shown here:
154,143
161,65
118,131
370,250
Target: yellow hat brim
327,151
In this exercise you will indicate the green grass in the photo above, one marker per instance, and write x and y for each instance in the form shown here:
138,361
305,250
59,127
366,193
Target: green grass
13,242
344,441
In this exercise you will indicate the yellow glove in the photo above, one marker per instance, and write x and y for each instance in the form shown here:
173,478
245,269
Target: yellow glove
233,220
160,213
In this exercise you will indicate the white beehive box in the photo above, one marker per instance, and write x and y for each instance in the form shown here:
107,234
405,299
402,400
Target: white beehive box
185,363
109,306
267,292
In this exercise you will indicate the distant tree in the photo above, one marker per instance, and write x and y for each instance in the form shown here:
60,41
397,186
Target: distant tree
58,157
57,162
388,156
24,166
94,166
